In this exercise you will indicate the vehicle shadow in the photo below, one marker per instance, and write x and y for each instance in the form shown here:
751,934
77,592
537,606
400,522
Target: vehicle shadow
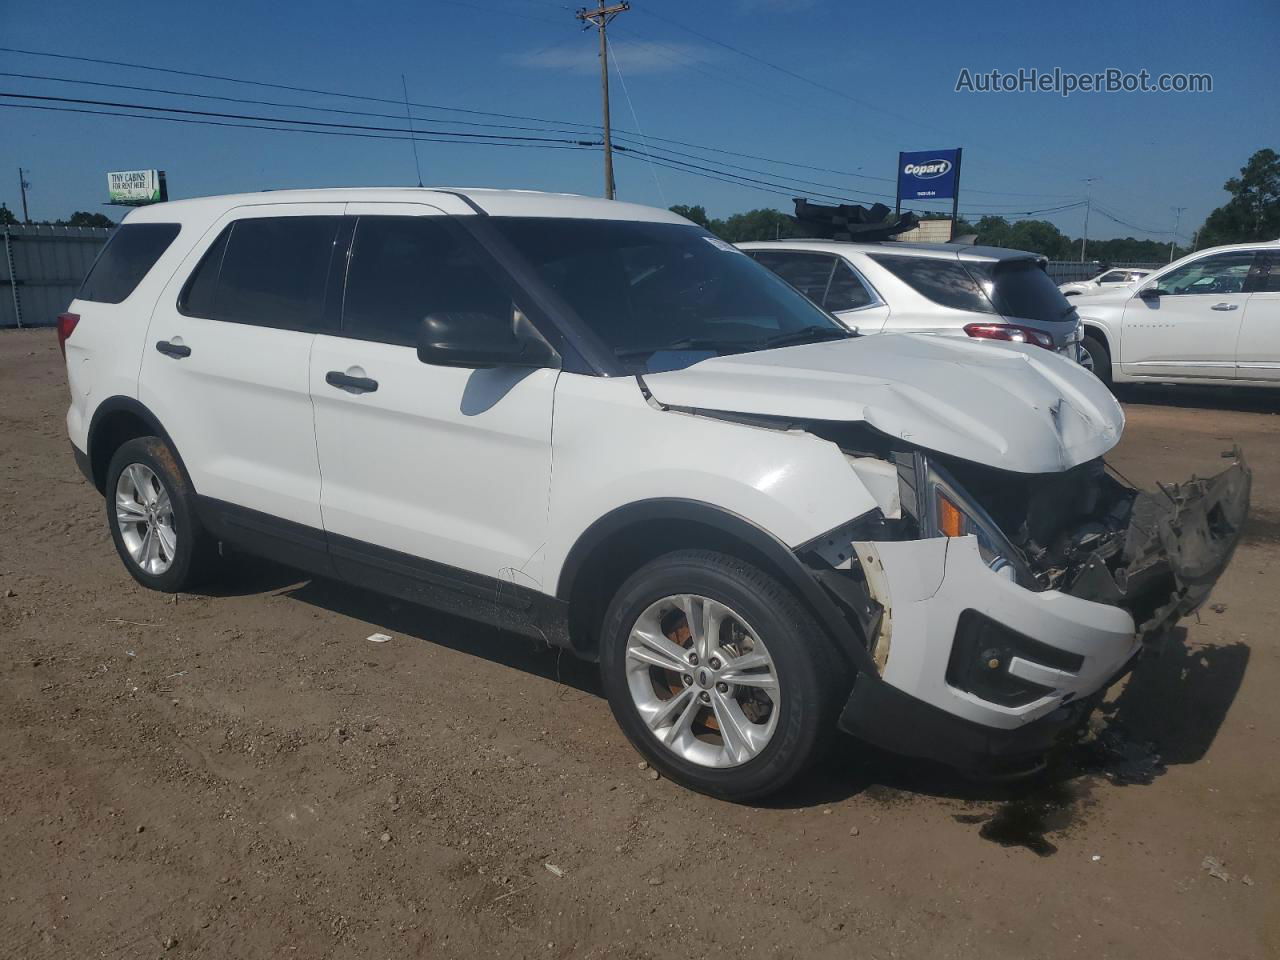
1179,699
1241,399
1168,712
455,633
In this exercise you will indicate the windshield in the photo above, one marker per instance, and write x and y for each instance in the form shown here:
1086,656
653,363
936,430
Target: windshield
662,296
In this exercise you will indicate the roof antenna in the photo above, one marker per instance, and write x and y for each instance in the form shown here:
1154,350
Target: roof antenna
413,137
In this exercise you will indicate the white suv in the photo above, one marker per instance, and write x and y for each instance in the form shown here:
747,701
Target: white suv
596,424
1212,317
985,293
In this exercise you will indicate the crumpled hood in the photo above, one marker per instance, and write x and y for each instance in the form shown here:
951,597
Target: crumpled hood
1011,406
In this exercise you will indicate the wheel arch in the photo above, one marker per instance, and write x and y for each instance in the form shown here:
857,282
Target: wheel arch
1095,329
116,421
626,538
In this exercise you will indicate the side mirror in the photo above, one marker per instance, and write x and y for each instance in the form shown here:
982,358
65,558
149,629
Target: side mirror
1151,292
480,340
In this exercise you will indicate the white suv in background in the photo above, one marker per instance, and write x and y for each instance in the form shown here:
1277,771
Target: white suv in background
1105,281
1212,318
595,424
985,293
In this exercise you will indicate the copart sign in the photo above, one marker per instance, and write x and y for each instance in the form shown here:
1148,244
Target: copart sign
928,174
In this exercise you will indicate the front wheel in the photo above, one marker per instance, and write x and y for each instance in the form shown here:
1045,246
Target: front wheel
717,674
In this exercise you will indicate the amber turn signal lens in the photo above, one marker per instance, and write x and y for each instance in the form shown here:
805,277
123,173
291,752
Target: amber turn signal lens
950,519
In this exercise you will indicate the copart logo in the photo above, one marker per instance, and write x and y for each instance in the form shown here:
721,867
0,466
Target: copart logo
929,170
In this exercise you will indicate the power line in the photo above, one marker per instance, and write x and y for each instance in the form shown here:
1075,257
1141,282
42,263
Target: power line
284,86
308,123
635,118
276,103
806,183
421,138
667,163
783,70
618,134
797,76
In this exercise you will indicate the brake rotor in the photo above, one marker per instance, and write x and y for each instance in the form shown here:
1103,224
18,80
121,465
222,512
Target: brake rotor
682,636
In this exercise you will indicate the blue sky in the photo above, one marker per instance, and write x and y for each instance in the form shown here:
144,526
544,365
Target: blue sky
877,78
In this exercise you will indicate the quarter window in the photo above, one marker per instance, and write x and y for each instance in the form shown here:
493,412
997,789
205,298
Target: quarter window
1216,274
810,273
403,269
846,291
266,271
131,252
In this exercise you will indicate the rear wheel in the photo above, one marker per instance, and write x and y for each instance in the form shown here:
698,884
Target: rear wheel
151,513
1096,358
717,674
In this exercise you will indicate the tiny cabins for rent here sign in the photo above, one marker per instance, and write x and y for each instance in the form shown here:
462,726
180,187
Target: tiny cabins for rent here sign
136,187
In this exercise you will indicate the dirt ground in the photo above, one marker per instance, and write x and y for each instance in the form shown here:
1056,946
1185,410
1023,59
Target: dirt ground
241,773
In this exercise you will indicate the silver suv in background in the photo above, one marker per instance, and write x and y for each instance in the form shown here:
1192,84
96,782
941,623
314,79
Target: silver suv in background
987,293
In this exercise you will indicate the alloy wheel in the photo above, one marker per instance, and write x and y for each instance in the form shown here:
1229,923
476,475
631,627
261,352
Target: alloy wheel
144,513
702,680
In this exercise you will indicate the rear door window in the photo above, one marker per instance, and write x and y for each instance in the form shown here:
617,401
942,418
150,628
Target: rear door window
266,271
403,269
131,252
945,282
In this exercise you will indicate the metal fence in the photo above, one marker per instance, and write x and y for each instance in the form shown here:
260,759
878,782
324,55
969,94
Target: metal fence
41,267
1068,271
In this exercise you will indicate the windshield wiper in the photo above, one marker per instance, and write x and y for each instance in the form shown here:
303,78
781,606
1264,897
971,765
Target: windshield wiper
684,343
810,334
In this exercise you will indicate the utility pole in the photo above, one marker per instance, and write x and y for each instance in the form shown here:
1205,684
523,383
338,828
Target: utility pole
1088,205
1174,239
600,18
23,185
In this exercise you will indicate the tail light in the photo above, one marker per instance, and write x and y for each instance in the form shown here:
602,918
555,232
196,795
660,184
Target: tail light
1010,332
66,326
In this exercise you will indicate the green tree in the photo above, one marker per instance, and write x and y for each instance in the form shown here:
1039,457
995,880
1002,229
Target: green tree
697,214
1253,212
82,218
993,231
762,224
6,216
1039,236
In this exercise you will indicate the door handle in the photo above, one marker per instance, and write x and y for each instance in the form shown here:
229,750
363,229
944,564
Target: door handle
336,378
1224,306
175,350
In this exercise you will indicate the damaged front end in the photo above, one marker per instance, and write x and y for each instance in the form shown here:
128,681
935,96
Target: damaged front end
998,607
1089,534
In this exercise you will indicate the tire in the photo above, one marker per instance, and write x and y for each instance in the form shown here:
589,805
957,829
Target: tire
151,514
1100,355
784,730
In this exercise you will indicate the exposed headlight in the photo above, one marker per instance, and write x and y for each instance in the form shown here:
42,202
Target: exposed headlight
948,512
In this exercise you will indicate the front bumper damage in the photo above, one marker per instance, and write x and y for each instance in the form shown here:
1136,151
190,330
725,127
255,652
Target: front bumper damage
984,674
